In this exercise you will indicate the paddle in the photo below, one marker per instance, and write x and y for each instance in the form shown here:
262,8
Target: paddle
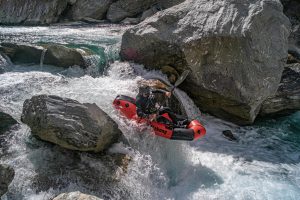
178,82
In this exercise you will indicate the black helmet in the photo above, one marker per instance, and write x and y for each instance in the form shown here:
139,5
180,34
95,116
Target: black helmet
144,89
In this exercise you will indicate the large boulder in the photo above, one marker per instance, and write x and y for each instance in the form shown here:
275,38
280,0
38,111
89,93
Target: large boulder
22,53
7,174
70,124
287,98
95,9
31,12
62,56
75,196
6,122
121,9
235,63
55,54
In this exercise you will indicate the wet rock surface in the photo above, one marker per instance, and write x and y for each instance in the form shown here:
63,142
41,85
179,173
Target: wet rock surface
7,174
57,55
287,98
70,124
22,53
3,64
62,56
6,122
234,67
292,11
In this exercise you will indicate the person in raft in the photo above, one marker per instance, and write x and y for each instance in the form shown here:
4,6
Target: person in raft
147,107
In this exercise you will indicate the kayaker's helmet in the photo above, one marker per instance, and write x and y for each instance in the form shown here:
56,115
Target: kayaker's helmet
144,90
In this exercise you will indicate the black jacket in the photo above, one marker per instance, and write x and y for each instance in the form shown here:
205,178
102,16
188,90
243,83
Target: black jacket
145,106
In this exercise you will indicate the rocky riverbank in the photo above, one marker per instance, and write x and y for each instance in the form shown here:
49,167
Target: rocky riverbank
52,11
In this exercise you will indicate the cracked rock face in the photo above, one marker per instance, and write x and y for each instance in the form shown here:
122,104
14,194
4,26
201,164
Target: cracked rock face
95,9
70,124
127,8
31,12
235,63
287,98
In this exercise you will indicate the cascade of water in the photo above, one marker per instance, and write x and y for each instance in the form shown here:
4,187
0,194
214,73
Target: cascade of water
42,58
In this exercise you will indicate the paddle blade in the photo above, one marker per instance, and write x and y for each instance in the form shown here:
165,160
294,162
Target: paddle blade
182,78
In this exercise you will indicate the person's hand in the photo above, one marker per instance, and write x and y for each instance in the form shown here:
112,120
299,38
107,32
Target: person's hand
168,94
152,117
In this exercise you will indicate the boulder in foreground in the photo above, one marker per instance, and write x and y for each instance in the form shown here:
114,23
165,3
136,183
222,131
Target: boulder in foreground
70,124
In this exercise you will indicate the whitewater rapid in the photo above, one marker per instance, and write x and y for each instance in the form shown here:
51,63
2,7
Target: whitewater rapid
262,164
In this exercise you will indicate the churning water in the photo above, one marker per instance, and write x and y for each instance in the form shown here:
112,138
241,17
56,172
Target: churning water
263,164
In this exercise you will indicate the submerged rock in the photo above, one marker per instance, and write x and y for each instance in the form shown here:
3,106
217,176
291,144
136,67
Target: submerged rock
229,135
70,124
7,174
6,122
234,66
75,196
121,9
287,98
31,12
95,9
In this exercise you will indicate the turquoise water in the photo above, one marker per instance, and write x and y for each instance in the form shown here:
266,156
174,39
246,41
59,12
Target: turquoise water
263,164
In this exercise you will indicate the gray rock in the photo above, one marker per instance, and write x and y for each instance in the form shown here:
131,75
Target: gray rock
22,53
148,13
6,122
130,20
93,21
287,98
6,176
57,55
70,124
127,8
31,12
95,9
229,135
62,56
169,3
75,196
234,66
3,64
292,11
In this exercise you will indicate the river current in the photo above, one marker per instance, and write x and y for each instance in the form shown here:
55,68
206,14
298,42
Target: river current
264,163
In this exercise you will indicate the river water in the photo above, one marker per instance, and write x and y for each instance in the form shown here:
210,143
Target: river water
263,164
